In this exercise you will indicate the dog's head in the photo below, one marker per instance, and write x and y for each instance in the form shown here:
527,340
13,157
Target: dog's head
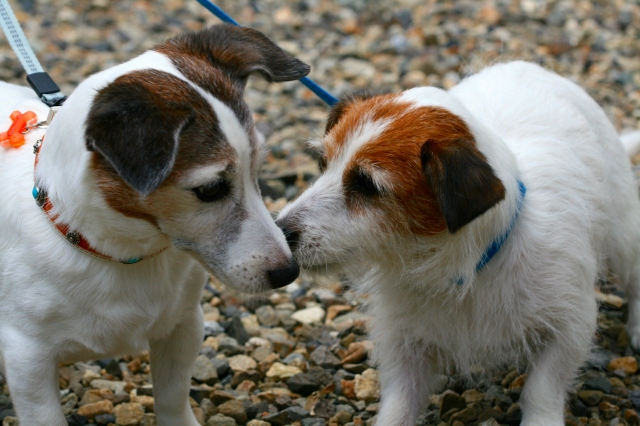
176,146
392,168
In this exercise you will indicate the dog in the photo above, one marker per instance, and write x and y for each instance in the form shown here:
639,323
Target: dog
478,221
149,172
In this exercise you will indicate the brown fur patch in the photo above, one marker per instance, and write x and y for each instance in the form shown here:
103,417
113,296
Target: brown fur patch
409,204
200,143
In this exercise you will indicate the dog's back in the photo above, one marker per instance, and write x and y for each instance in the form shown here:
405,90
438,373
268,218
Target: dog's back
563,139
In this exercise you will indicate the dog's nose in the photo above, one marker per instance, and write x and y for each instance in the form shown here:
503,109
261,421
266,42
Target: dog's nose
281,277
292,235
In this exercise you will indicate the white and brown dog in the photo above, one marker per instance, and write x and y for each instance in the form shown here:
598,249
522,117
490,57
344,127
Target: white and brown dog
478,220
152,162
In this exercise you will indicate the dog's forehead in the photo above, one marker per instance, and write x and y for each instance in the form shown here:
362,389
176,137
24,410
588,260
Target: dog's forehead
389,129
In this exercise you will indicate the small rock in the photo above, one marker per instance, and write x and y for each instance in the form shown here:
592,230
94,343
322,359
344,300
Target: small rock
323,357
205,370
235,410
221,420
129,414
95,409
258,423
631,416
628,364
303,383
589,397
600,383
10,421
367,385
149,419
241,363
229,346
236,330
267,316
288,416
280,371
313,315
105,419
451,401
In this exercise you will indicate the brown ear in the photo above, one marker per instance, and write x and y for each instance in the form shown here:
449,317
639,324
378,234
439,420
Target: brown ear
339,108
135,123
239,51
463,182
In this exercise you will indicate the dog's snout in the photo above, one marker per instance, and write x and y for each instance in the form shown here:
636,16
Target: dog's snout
283,276
292,235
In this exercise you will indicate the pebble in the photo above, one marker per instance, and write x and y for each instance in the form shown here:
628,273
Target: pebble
310,315
235,410
221,420
129,414
281,372
242,363
205,370
628,364
367,385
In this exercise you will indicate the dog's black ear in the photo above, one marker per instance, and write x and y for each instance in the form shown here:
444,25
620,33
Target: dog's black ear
137,130
239,51
338,109
464,184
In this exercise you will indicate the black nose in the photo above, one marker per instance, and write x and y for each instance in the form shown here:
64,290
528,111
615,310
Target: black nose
281,277
292,235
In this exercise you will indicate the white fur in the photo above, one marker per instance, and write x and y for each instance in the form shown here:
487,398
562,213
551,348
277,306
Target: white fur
59,304
533,303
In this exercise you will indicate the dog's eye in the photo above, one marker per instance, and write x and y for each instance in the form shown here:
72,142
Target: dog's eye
322,164
362,183
213,191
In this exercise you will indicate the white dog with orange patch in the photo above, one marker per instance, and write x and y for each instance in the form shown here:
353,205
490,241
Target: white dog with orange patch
478,220
147,174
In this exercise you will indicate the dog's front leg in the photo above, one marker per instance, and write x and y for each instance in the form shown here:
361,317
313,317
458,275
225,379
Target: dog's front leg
543,396
406,376
31,371
172,361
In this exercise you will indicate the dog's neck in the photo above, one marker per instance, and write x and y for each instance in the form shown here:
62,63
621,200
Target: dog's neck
63,170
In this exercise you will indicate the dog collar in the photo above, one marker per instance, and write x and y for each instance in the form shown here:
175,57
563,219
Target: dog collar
496,244
75,238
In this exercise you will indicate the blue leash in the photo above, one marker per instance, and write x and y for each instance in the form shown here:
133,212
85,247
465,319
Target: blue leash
326,97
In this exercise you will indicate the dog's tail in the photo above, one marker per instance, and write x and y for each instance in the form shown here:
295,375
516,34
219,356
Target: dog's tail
631,142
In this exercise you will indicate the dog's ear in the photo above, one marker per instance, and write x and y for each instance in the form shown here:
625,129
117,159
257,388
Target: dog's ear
137,131
239,51
338,109
464,184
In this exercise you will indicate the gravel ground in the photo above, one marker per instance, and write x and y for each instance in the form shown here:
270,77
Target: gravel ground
300,355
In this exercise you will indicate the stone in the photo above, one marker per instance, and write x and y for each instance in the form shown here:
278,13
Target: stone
236,330
117,387
205,370
96,408
149,419
258,423
314,421
286,417
469,414
631,416
303,383
222,367
589,397
267,316
600,383
129,414
241,363
451,401
233,409
472,395
627,364
10,421
246,386
221,420
251,325
490,422
229,346
146,401
105,419
324,358
280,371
313,315
367,385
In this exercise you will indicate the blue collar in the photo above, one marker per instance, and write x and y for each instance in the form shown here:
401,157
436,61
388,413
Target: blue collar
496,244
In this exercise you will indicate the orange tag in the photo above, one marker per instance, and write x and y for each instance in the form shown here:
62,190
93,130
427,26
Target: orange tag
14,138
